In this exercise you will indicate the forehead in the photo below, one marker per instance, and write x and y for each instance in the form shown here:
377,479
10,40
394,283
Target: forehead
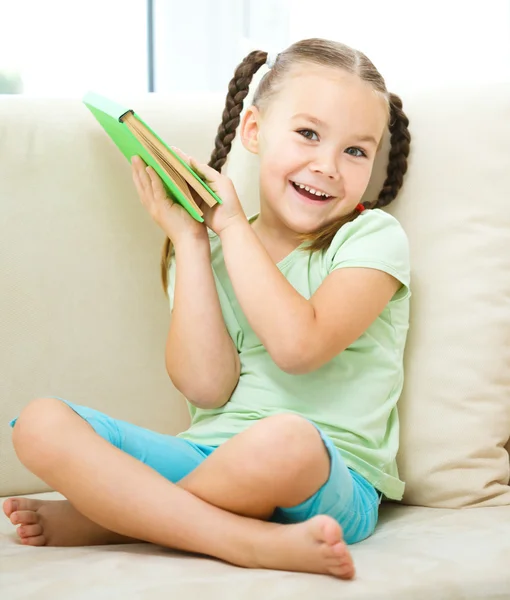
332,95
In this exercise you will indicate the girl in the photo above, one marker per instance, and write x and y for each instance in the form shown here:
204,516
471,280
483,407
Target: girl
287,336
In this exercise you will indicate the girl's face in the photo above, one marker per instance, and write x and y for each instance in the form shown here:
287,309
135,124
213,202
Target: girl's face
321,131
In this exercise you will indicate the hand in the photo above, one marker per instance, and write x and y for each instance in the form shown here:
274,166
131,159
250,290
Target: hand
173,219
220,216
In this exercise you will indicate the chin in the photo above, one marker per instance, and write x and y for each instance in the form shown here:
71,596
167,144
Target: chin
301,223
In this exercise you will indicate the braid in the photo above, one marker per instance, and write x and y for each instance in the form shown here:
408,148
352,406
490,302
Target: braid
237,92
322,52
399,151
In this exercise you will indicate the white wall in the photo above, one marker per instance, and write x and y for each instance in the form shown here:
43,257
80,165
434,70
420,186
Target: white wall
421,44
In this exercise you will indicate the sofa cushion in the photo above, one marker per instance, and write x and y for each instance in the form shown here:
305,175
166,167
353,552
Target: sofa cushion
418,553
455,408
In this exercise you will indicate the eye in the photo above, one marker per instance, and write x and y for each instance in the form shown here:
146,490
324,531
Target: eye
308,134
362,152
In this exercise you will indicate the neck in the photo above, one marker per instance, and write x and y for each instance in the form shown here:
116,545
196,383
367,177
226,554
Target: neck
278,240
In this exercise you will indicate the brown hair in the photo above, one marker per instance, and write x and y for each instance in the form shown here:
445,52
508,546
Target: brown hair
321,52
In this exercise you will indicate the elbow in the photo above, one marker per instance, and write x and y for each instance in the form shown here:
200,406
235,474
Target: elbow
202,395
295,367
206,397
207,401
303,356
295,360
207,392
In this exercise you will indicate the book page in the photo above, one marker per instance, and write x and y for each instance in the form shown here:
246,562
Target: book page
136,126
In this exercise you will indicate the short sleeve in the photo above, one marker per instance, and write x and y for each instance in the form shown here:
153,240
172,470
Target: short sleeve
374,240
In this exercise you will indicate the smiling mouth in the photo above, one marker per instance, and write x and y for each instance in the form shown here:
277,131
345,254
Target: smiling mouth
310,193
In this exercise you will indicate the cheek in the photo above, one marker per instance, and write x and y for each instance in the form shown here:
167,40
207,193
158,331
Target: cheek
274,168
358,179
281,162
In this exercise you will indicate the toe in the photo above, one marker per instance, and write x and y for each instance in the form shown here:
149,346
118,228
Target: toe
17,504
331,532
25,517
38,540
339,549
343,571
9,506
339,560
27,531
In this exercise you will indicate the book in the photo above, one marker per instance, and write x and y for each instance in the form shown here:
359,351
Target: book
134,137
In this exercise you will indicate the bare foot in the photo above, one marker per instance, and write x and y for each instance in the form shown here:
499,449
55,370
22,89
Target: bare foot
315,546
56,523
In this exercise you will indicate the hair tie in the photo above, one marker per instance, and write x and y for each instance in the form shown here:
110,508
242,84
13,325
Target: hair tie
360,208
271,59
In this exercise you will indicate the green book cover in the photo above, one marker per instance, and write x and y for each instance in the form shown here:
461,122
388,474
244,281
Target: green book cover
108,113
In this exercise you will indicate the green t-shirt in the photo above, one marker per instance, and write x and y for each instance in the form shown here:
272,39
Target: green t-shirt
353,397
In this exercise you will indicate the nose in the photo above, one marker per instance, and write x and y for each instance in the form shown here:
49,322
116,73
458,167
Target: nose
326,165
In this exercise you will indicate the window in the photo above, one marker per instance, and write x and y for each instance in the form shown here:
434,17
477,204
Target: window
60,47
63,48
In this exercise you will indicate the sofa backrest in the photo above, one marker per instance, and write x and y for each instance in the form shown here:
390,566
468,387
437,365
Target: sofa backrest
83,314
454,206
82,310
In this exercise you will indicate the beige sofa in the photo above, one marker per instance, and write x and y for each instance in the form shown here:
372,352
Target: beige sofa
83,316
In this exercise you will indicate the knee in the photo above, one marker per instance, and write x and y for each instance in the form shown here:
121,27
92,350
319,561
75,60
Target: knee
36,425
292,442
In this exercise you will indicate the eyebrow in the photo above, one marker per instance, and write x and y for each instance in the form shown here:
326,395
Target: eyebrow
312,119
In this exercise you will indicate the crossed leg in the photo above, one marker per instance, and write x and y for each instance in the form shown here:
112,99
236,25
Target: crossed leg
114,498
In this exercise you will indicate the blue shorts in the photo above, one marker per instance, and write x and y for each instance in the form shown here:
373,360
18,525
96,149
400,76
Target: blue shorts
346,496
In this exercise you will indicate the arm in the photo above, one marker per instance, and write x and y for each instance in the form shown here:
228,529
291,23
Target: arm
200,356
299,333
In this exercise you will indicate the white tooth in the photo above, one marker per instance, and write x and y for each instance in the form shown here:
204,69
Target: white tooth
312,191
319,194
307,188
301,186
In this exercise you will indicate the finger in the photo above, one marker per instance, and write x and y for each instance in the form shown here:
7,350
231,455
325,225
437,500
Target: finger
194,164
204,171
137,182
158,189
137,172
143,178
143,186
185,157
137,164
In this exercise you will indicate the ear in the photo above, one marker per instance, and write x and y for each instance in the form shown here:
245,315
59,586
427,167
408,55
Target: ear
250,129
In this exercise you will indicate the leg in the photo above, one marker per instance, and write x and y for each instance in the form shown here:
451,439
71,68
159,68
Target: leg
284,463
278,462
58,523
125,496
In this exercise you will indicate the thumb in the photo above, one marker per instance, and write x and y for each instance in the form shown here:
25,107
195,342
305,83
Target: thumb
205,172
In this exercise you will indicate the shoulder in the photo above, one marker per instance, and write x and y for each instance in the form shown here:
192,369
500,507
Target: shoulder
370,225
374,239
